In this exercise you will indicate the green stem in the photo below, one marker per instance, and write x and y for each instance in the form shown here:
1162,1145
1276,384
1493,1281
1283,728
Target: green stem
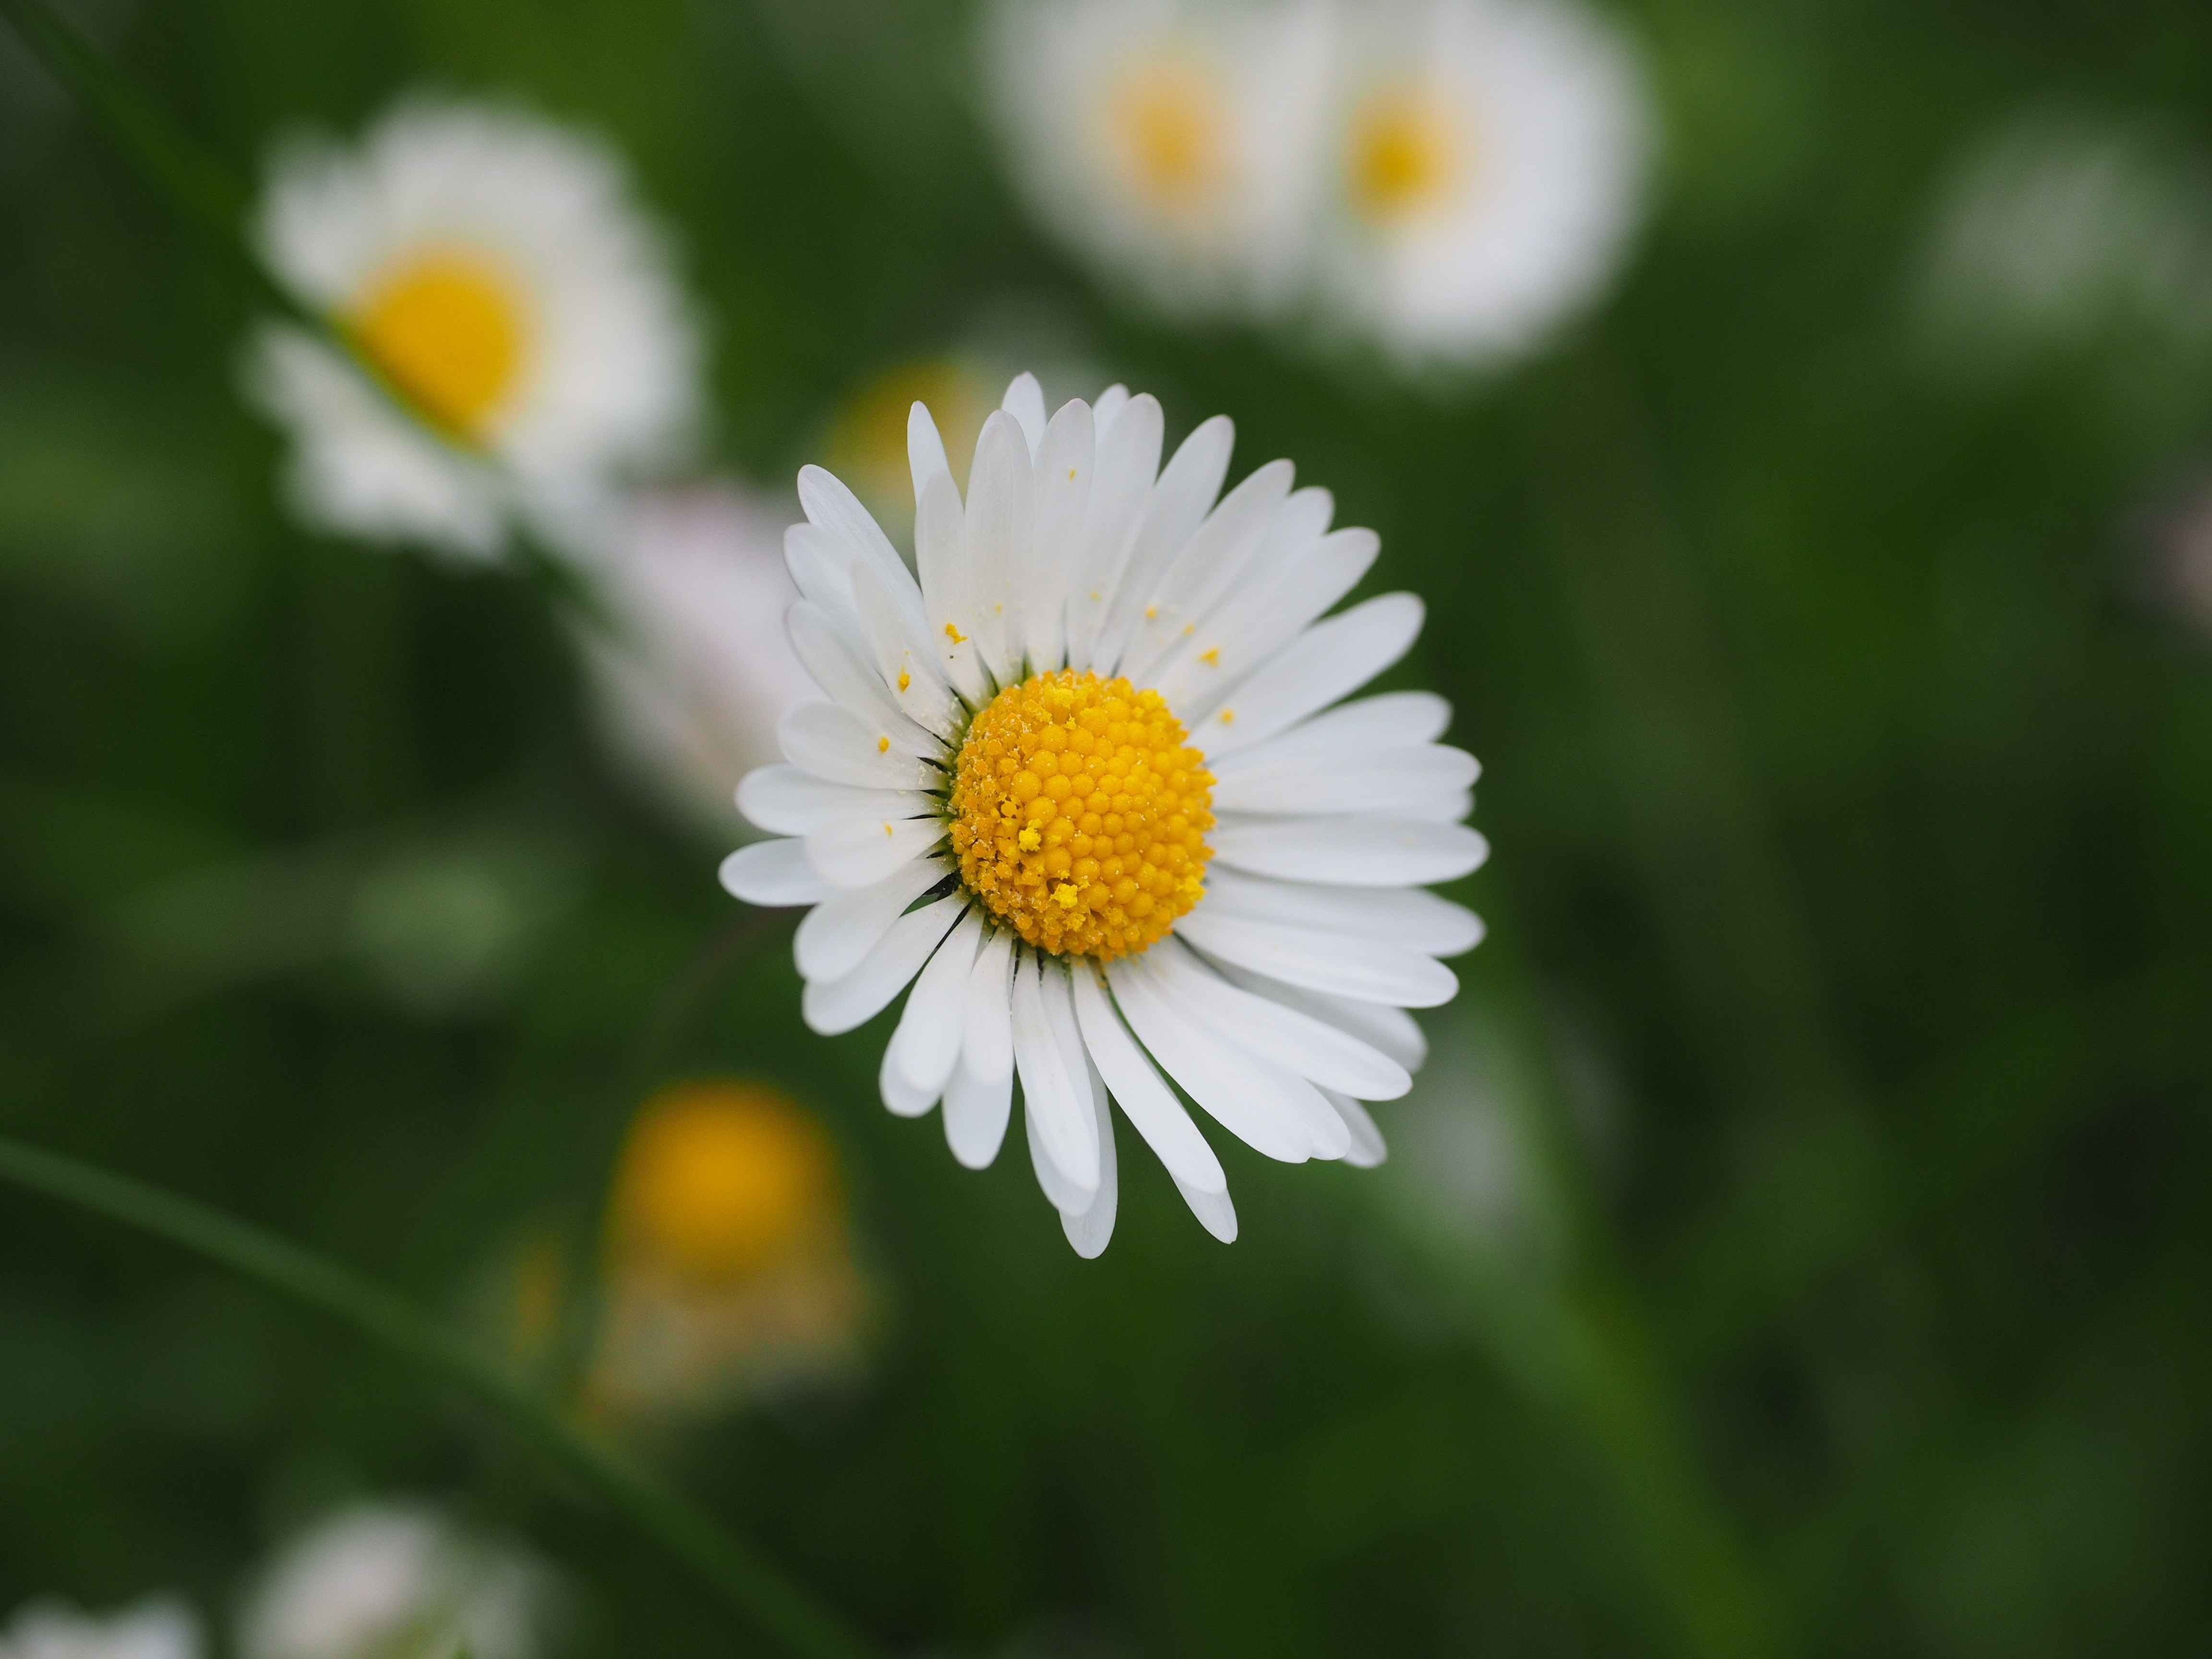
728,1567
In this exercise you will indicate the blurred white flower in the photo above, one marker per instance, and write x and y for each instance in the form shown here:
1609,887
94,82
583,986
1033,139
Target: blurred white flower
158,1628
494,266
1485,162
1172,140
394,1582
691,691
2061,230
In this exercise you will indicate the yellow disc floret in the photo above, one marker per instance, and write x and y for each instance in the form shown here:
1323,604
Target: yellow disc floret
449,329
1079,814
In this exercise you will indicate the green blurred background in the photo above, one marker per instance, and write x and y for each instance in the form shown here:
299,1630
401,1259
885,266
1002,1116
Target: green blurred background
1802,1245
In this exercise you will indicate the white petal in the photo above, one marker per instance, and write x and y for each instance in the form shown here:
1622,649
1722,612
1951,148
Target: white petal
1329,660
900,1098
926,1045
1128,461
1409,917
905,660
1024,401
1246,632
773,874
1320,1053
1063,1193
1001,502
826,502
821,565
1367,1146
1065,462
1180,501
1091,1230
831,742
1050,1098
841,666
1110,403
835,1006
854,853
1146,1099
1350,852
1411,780
976,1111
1244,1096
845,926
1363,969
1213,1210
1391,1029
986,1031
1389,722
940,554
1205,568
925,451
785,801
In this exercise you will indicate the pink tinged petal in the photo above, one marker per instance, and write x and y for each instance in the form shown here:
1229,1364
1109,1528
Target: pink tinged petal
926,1045
828,741
838,932
1239,1092
987,1043
976,1112
1409,917
1180,501
1367,1147
1329,661
785,801
1000,524
1364,970
1351,851
832,1007
1213,1210
1024,401
1065,462
858,852
773,874
1128,461
1320,1053
1146,1099
940,554
1410,780
925,452
1051,1100
1208,563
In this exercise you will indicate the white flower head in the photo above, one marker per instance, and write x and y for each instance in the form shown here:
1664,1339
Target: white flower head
1485,162
690,691
158,1628
395,1581
1172,140
495,268
1089,787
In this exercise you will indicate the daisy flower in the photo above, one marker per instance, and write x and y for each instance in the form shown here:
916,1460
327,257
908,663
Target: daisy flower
1485,161
159,1628
1171,141
493,268
690,682
1089,787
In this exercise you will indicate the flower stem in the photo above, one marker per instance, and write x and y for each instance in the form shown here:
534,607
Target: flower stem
740,1578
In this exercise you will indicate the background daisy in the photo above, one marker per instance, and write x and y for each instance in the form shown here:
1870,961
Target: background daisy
1088,787
1484,163
493,266
154,1629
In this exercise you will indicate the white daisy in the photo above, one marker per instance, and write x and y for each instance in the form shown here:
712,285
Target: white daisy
1171,140
1089,788
395,1581
494,267
159,1628
690,685
1485,161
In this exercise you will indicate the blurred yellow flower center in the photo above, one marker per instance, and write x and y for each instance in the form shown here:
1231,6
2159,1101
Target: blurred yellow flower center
1080,812
1404,154
450,331
1166,116
720,1179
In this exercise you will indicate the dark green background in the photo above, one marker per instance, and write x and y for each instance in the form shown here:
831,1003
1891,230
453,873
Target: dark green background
1852,803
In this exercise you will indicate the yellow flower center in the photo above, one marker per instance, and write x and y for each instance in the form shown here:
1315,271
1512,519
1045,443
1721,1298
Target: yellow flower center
1080,812
1404,154
720,1179
449,329
1166,116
